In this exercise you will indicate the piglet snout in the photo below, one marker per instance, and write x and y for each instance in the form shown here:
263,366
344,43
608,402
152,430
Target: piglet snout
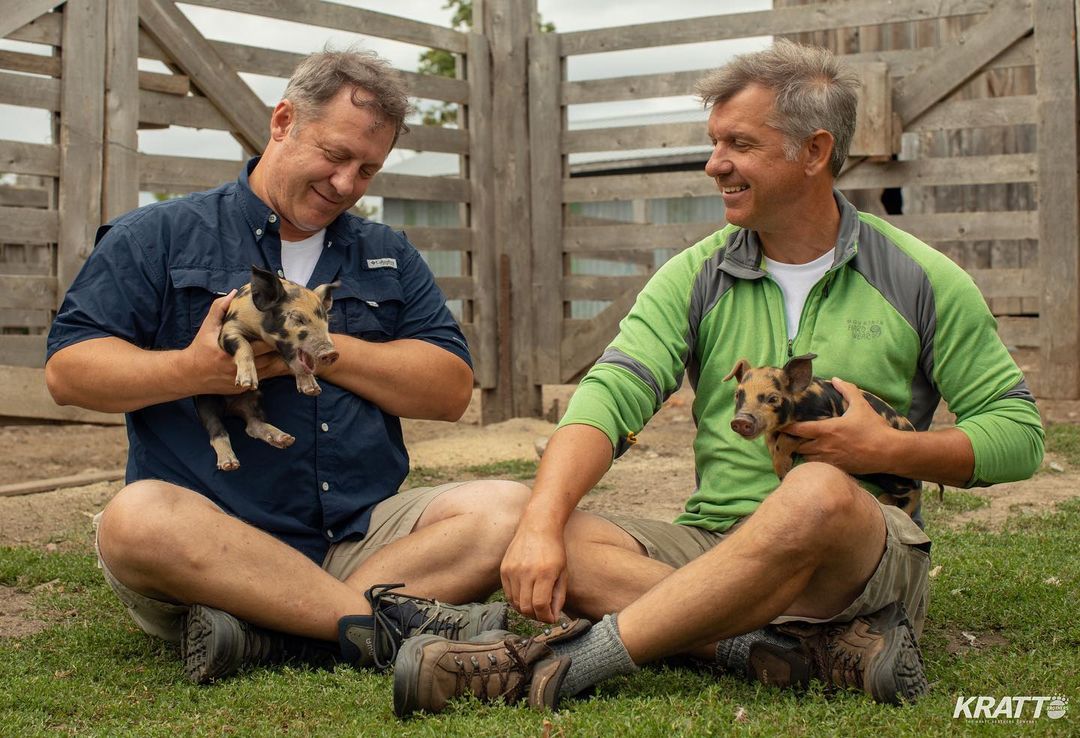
744,425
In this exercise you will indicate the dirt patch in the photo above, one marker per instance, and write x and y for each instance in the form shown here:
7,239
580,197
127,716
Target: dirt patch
1055,483
960,643
15,619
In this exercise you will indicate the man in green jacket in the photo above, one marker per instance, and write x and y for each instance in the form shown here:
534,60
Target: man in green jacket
782,582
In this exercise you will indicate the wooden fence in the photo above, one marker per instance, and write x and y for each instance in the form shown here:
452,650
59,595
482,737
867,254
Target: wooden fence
956,94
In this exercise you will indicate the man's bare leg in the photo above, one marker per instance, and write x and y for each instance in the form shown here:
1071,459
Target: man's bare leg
170,543
808,550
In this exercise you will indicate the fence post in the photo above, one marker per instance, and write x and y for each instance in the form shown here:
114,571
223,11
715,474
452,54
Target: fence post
120,189
82,120
545,139
1058,197
508,24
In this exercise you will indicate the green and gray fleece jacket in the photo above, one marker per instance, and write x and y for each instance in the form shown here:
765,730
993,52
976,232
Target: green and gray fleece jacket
892,315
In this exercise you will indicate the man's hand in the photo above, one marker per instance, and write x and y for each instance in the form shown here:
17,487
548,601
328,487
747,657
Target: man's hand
211,369
534,574
857,442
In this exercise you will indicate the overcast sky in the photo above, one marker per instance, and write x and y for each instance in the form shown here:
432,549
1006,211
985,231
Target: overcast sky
25,124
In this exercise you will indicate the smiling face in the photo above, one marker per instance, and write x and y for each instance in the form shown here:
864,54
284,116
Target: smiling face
319,166
757,181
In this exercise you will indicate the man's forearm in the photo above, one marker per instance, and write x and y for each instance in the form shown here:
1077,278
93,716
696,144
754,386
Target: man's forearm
407,377
576,458
944,456
111,375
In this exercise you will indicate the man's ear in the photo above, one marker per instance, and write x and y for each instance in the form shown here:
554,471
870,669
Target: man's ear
282,120
266,289
819,148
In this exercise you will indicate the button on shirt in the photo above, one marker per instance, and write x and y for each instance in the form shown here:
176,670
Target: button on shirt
150,281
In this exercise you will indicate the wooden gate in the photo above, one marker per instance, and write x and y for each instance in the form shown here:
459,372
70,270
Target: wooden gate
82,68
915,93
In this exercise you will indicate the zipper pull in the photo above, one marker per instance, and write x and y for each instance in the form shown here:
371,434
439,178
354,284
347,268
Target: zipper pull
790,352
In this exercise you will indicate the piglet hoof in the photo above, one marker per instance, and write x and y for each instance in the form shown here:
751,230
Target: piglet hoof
306,384
279,439
228,465
247,381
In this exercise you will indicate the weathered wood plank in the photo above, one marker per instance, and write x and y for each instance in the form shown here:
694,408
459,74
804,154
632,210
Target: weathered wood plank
635,237
27,292
345,18
25,351
588,287
37,320
636,186
664,135
45,29
412,187
157,108
480,168
29,92
874,118
17,61
1025,333
978,113
122,82
30,225
275,63
192,53
23,395
1008,282
435,138
17,13
779,21
82,124
1058,195
960,170
23,197
457,288
429,238
182,174
170,84
48,485
584,340
954,63
900,63
546,167
979,226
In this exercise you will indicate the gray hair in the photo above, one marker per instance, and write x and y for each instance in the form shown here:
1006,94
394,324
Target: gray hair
320,76
813,91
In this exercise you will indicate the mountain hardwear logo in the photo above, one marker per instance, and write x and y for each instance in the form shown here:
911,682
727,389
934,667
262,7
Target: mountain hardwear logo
864,330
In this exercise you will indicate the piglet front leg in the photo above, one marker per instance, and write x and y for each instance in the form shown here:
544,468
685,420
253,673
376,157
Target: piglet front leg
306,384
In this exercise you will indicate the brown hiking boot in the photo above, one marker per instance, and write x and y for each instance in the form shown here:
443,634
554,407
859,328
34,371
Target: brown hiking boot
875,653
430,670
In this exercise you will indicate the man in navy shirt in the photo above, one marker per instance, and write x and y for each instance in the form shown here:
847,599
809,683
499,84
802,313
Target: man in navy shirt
283,557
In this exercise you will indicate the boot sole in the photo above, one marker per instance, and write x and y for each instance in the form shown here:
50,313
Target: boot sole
201,663
407,666
900,672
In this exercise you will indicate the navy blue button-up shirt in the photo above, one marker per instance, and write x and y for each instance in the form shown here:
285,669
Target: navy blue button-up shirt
150,281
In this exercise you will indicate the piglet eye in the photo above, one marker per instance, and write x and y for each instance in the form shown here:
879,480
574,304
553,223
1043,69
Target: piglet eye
774,400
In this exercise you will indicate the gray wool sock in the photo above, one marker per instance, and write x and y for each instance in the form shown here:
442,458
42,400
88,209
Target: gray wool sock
596,655
733,654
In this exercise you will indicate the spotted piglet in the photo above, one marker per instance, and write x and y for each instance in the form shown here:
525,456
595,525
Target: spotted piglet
287,316
768,399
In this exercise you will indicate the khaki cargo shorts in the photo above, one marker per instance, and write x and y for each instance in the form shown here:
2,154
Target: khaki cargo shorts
901,575
391,519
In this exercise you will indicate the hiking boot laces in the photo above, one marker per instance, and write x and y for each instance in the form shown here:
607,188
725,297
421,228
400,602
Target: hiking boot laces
426,616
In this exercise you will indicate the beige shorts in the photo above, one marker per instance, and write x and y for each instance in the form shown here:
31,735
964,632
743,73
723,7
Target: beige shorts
391,519
901,575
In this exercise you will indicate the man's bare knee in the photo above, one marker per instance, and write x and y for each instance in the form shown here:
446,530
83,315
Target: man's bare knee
495,503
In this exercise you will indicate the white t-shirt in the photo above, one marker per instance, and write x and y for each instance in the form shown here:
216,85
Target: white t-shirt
298,258
796,281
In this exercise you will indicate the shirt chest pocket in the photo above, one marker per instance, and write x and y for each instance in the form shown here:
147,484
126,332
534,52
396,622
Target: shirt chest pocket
367,309
194,289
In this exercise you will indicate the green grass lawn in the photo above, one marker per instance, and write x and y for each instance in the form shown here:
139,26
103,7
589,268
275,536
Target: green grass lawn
91,672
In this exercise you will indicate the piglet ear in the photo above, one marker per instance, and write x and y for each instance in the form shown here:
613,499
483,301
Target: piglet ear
266,289
323,293
799,371
737,371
